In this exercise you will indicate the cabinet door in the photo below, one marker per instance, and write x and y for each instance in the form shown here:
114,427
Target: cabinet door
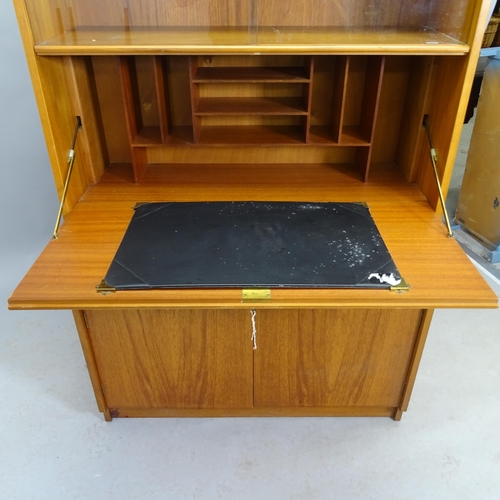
333,358
173,358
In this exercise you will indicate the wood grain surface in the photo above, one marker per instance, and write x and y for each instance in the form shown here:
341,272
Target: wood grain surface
56,17
112,41
342,357
66,273
173,358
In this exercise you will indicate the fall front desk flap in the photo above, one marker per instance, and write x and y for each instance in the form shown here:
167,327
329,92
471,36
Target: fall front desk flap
252,244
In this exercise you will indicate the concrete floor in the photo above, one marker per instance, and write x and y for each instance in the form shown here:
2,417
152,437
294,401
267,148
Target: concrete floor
55,444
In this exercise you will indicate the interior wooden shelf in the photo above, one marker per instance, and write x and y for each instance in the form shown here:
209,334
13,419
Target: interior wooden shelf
68,270
250,75
250,106
216,40
251,135
229,135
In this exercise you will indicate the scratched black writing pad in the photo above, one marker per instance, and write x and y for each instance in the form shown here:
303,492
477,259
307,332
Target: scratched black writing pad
251,244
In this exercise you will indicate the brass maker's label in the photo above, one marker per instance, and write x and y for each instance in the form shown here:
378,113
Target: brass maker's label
256,294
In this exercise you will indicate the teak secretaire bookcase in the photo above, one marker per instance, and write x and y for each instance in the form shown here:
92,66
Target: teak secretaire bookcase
227,100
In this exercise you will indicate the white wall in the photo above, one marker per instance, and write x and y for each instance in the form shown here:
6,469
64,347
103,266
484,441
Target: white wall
28,200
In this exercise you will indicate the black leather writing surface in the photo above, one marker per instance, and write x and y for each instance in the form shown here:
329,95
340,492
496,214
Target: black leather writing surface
251,244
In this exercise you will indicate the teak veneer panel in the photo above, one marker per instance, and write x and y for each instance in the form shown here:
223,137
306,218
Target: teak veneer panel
250,106
329,357
250,74
66,273
176,359
253,135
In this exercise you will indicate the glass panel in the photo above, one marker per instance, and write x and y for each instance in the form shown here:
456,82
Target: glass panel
144,22
220,23
380,22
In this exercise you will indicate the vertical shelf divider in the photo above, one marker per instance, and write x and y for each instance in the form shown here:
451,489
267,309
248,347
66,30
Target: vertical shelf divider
162,96
139,162
307,97
371,98
195,98
339,96
132,114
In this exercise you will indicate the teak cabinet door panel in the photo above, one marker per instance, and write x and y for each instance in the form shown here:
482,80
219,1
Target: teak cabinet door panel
329,358
173,358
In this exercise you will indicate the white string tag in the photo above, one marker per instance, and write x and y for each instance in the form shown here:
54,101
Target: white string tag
253,312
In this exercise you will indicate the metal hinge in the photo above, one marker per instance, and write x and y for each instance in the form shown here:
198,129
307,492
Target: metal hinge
104,288
402,287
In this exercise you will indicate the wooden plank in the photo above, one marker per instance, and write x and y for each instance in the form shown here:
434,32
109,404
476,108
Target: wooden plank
81,326
143,69
339,357
291,152
81,85
162,96
109,41
363,161
373,411
195,98
177,74
130,94
251,135
307,93
355,91
250,106
412,133
415,360
251,74
133,115
139,162
371,95
368,119
176,359
107,77
390,125
339,96
67,271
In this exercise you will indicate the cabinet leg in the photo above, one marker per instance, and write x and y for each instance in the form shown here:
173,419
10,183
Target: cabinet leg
81,326
398,413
